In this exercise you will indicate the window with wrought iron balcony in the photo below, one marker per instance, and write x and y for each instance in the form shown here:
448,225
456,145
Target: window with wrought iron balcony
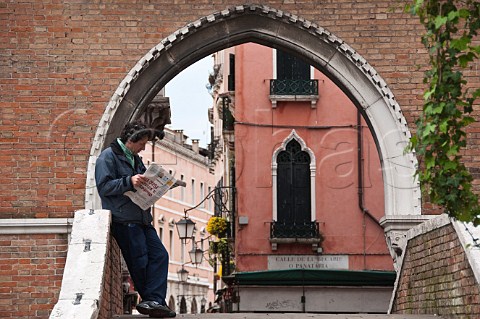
293,81
293,218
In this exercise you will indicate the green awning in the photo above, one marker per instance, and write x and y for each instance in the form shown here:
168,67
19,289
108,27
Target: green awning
313,277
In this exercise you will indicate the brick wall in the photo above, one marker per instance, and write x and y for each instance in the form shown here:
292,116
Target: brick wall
62,61
31,268
112,295
437,277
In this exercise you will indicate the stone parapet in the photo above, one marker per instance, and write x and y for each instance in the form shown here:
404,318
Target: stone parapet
90,286
438,273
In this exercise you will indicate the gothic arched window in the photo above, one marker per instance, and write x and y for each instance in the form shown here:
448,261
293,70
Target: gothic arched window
293,173
293,185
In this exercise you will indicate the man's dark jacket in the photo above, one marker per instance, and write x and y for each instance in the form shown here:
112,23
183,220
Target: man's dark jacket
113,176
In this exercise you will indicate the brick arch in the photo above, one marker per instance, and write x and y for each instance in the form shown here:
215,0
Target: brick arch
274,28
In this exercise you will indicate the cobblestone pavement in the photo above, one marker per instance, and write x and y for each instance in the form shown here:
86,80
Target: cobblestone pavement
286,316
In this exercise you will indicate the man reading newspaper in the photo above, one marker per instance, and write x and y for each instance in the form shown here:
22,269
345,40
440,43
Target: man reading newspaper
119,173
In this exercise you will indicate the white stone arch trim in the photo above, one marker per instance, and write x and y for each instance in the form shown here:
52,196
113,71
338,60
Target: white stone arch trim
313,169
335,58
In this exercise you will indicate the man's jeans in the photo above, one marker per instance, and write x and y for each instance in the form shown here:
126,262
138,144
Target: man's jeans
146,259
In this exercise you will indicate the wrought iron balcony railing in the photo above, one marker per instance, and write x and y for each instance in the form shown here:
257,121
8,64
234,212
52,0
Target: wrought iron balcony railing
293,230
293,87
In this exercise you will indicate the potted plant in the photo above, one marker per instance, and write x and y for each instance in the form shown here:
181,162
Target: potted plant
217,226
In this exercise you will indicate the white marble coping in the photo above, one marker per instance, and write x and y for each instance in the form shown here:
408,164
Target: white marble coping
469,236
21,226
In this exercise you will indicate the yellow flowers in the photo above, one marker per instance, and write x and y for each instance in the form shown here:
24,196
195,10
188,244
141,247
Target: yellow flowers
217,226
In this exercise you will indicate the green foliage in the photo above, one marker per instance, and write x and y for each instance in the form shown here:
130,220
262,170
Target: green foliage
221,250
450,28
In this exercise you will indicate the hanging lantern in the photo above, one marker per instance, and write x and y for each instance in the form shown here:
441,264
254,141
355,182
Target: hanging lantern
182,274
196,255
185,228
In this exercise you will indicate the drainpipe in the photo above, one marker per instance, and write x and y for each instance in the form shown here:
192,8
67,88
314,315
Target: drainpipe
361,202
360,171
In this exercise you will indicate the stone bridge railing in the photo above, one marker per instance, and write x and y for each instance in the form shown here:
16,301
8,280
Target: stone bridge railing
439,272
92,279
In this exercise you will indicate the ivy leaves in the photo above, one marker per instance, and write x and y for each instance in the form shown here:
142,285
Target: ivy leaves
441,130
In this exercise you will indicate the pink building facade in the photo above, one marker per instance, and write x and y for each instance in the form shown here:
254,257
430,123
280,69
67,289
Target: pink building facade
310,193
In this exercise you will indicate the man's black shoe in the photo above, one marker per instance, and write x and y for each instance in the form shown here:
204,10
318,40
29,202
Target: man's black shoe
155,310
162,312
144,307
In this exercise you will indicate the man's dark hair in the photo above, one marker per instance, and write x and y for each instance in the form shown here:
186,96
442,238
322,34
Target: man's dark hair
136,131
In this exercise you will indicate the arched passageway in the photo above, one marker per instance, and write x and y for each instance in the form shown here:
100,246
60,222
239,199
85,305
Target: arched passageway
323,50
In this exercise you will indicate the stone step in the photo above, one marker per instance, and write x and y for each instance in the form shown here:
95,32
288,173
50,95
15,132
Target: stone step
286,316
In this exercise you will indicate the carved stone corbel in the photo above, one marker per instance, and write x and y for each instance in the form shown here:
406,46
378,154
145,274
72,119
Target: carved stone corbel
396,228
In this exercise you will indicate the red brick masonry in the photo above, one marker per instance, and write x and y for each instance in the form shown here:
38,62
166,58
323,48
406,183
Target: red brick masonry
31,268
436,277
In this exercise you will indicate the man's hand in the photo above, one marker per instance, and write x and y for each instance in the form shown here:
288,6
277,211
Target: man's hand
138,179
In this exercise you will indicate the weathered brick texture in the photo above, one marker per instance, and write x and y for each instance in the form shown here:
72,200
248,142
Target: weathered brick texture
436,277
112,295
61,61
31,268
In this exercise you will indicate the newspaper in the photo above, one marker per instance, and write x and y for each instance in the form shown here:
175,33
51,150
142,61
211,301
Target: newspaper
159,181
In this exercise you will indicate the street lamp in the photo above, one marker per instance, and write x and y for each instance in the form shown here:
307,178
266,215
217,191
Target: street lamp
182,274
196,255
185,228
